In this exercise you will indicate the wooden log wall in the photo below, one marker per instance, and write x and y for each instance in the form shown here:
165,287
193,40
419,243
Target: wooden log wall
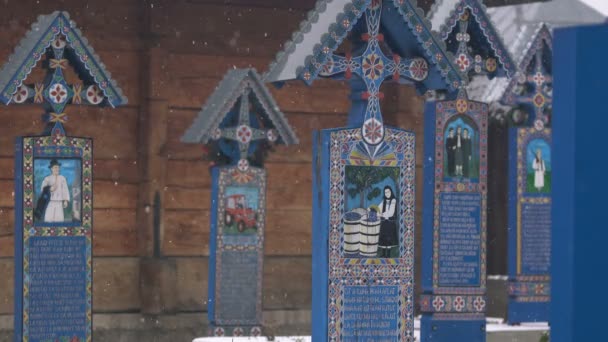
168,56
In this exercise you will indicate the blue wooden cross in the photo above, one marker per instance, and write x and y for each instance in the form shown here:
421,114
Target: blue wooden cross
373,66
55,93
244,133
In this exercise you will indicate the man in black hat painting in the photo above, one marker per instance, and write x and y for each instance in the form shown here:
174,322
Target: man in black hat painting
59,193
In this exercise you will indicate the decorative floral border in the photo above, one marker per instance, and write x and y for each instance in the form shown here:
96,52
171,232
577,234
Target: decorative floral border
343,271
451,316
523,282
478,112
232,176
235,330
531,289
532,299
453,303
57,146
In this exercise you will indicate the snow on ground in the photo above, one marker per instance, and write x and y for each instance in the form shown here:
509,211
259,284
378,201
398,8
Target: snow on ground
493,325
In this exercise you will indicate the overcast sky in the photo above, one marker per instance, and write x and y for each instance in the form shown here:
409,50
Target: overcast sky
599,5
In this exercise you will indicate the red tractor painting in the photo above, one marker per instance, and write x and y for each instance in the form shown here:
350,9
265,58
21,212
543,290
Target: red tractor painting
238,211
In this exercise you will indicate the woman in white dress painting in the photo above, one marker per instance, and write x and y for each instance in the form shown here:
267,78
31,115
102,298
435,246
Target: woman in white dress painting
538,165
59,193
388,226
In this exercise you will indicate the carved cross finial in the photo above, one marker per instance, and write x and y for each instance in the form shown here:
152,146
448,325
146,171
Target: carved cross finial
55,93
373,66
244,133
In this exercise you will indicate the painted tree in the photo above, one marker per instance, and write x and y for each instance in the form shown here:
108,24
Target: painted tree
361,180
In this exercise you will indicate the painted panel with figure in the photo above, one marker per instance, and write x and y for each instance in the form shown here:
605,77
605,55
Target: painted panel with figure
53,219
370,221
461,154
530,201
538,167
57,190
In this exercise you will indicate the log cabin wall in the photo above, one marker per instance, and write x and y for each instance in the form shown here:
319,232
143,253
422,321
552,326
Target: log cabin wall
152,193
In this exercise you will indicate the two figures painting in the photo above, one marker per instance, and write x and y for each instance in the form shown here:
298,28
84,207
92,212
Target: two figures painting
461,146
459,153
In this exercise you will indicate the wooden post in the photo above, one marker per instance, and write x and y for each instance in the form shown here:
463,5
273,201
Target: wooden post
579,196
157,285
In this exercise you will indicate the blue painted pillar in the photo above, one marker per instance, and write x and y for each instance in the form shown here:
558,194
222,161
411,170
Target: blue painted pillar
358,106
579,259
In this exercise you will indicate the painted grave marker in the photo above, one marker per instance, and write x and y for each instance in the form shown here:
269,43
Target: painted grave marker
364,174
455,198
530,183
54,183
239,122
454,244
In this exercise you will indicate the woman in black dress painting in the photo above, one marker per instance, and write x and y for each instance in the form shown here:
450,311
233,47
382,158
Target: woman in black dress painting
388,225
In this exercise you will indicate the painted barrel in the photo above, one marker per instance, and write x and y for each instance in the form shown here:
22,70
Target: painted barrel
370,233
352,236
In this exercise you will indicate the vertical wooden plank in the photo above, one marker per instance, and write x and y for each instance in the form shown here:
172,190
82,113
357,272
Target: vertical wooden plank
156,286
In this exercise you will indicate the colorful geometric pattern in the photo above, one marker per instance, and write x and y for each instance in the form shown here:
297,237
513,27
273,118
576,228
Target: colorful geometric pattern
58,146
530,289
478,112
373,67
57,32
373,271
464,15
256,178
453,303
236,331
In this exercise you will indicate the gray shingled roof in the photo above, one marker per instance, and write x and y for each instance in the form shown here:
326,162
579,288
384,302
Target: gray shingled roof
440,12
303,41
235,83
32,47
518,26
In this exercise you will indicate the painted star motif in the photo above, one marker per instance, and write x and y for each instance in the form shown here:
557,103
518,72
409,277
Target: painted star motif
244,134
463,62
58,93
94,95
21,95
